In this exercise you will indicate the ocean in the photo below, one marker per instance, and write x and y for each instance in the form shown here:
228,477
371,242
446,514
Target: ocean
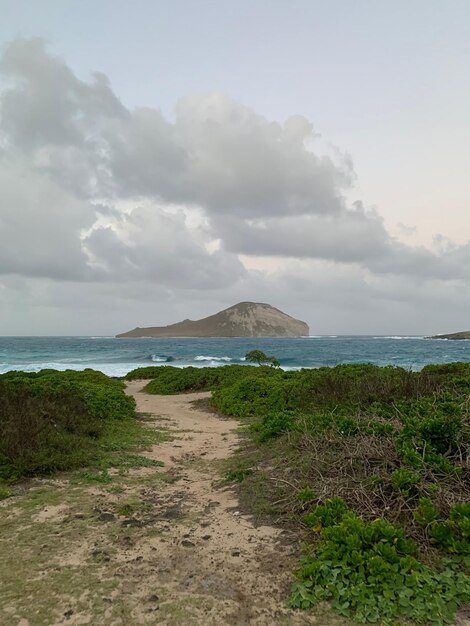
116,357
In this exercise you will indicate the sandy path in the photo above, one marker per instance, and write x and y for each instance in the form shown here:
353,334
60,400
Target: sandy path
146,545
223,568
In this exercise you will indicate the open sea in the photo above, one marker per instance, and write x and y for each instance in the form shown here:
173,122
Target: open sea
116,357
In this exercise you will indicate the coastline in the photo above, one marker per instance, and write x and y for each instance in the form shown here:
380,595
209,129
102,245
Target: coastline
116,357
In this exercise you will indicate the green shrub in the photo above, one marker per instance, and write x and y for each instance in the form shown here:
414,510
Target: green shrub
327,515
405,481
453,535
53,421
102,396
368,570
144,373
426,513
238,474
169,380
253,395
275,424
306,495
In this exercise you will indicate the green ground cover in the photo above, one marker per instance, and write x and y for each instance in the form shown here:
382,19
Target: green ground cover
369,464
52,421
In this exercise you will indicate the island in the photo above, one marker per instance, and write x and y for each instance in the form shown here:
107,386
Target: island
462,335
245,319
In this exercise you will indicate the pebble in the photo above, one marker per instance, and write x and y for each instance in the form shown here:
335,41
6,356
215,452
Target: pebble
153,598
133,522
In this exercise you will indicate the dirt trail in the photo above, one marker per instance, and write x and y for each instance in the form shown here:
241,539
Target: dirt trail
146,545
222,567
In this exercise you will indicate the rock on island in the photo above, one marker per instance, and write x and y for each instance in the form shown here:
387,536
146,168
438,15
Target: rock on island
245,319
462,335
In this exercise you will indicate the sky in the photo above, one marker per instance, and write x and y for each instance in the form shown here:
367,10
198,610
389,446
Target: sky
160,161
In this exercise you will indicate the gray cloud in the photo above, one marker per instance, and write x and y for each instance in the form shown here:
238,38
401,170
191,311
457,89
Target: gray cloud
217,153
350,236
74,159
158,247
47,104
40,226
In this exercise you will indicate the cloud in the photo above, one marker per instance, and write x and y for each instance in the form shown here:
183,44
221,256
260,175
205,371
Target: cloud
47,105
55,120
92,192
158,247
40,226
217,153
351,236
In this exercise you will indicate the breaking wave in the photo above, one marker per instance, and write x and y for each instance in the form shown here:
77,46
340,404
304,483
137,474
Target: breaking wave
161,358
400,337
212,358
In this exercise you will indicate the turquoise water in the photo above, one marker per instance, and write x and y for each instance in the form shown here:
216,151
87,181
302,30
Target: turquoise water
115,357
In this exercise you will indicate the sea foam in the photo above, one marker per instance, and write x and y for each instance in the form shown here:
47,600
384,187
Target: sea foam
161,358
400,337
212,358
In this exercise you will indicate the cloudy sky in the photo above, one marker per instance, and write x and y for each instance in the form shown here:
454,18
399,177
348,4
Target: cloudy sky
164,160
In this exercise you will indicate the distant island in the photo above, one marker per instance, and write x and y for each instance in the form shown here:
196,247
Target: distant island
462,335
245,319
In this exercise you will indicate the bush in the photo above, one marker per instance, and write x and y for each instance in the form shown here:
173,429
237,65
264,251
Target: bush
53,421
453,535
405,481
102,396
169,380
253,396
368,570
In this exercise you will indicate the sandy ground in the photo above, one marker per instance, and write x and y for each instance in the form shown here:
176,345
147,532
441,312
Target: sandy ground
156,545
230,571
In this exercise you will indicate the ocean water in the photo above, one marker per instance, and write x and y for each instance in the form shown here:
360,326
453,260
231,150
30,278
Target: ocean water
116,357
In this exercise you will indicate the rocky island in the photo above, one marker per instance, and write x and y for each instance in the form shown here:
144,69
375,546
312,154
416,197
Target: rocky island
462,335
245,319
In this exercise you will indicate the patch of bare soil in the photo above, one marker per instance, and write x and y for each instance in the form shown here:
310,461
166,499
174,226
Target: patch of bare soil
157,545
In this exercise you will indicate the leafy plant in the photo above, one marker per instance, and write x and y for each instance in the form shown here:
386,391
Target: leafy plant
327,515
368,570
426,513
238,474
306,495
453,535
405,481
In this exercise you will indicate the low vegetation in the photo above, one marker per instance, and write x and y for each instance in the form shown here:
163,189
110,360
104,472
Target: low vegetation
168,379
51,421
370,464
